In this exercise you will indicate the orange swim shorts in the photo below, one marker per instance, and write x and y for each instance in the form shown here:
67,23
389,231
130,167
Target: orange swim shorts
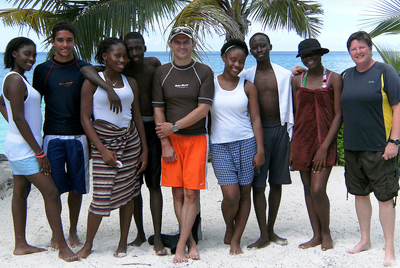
190,169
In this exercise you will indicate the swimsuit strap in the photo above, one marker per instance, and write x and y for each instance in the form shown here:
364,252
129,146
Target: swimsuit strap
303,79
324,80
327,81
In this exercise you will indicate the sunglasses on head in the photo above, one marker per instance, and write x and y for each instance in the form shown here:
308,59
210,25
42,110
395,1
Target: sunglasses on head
181,29
309,54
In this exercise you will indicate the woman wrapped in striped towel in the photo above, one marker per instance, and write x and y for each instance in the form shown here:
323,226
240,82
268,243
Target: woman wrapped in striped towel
119,147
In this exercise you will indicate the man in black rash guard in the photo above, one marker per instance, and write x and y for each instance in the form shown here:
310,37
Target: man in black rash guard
59,80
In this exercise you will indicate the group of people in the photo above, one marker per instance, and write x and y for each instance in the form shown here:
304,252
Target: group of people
366,97
150,121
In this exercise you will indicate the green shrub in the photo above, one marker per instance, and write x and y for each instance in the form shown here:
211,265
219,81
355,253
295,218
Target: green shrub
340,149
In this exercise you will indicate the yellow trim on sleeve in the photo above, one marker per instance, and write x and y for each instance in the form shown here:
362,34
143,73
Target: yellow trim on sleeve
387,110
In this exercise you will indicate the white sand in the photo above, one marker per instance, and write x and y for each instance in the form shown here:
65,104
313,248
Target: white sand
292,223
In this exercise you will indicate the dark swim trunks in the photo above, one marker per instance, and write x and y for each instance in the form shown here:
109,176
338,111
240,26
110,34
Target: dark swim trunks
276,146
368,171
152,173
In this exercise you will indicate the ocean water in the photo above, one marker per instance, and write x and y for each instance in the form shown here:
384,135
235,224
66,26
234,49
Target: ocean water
336,61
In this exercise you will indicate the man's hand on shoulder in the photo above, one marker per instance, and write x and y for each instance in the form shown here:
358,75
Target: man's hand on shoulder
298,70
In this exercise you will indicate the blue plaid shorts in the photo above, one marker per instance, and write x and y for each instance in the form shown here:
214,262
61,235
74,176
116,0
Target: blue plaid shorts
233,161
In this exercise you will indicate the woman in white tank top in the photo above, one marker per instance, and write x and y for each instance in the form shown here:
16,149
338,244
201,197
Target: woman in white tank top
116,164
237,148
20,106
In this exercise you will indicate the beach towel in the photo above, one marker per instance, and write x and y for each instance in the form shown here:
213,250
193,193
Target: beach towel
314,116
284,81
114,187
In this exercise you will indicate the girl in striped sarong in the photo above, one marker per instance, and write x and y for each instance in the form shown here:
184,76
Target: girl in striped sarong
119,147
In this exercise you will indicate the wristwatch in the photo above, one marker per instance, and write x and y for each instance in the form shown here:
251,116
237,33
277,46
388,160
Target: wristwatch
175,127
395,142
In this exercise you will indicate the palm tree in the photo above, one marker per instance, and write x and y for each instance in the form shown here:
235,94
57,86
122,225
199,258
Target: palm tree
298,15
95,20
385,19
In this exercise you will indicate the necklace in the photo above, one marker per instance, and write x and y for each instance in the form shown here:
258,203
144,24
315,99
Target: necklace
113,84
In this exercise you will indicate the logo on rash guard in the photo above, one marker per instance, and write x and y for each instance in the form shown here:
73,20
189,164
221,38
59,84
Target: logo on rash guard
182,86
65,84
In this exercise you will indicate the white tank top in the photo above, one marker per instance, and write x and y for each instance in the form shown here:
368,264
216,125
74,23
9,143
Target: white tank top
101,104
15,146
230,118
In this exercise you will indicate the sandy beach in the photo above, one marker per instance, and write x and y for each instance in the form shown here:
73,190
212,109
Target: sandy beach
292,223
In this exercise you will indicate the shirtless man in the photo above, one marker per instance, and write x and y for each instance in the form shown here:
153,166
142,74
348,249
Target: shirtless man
273,85
142,69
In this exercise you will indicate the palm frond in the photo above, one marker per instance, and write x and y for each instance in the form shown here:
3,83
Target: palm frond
207,17
94,20
24,3
35,20
41,19
51,5
299,15
389,26
383,17
389,55
116,18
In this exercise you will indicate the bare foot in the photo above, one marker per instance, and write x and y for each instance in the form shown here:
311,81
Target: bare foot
53,244
161,252
235,249
278,240
159,247
74,240
228,236
315,241
119,255
360,247
192,252
84,252
139,240
180,256
67,254
262,242
327,242
390,259
27,249
121,250
389,263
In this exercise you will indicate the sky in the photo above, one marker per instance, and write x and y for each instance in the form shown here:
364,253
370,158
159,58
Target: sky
341,18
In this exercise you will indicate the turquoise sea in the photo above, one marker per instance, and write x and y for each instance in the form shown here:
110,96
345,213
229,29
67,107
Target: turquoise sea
336,61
